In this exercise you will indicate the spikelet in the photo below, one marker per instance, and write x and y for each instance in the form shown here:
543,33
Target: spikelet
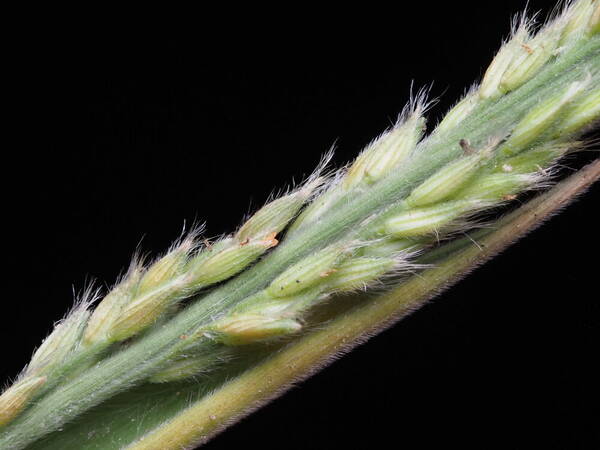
386,152
531,56
224,263
458,113
449,179
491,83
109,309
382,156
426,220
63,340
308,272
273,217
167,268
540,119
359,273
580,115
538,157
243,329
498,187
144,310
576,20
16,397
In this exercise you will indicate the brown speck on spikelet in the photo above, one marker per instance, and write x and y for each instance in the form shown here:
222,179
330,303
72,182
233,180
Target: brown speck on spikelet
466,146
527,48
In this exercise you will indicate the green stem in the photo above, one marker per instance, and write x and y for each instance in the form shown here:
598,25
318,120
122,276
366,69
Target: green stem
152,352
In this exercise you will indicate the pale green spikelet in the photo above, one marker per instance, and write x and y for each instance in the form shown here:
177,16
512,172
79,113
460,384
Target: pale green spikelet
291,306
576,20
491,84
274,216
536,158
383,155
449,179
498,187
16,397
145,310
145,302
221,264
315,209
358,273
426,220
243,329
540,119
530,56
166,268
386,152
581,114
271,218
64,339
109,309
258,234
458,113
308,272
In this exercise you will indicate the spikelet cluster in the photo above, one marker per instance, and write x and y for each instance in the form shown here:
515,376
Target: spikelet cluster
278,310
148,294
145,295
480,179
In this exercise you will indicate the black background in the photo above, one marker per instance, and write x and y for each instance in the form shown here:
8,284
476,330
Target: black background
120,141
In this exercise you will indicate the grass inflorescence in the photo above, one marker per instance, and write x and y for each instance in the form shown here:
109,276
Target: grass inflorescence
342,231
